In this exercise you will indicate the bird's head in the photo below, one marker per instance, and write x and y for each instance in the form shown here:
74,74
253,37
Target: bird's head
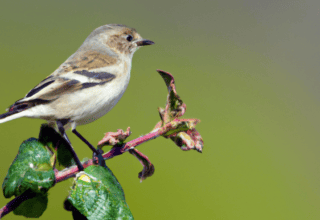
119,38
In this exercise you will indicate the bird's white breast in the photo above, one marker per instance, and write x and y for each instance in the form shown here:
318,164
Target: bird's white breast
99,100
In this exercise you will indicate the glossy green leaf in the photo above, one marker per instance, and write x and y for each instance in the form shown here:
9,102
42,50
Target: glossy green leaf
97,195
31,169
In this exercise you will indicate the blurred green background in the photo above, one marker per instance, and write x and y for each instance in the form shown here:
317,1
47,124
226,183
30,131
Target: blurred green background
248,69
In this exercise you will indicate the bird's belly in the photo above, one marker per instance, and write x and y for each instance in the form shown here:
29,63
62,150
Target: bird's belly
89,104
99,105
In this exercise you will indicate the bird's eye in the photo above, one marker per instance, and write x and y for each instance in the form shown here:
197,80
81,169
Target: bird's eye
129,38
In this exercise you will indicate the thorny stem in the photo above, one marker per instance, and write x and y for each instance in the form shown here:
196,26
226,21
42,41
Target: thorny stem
71,172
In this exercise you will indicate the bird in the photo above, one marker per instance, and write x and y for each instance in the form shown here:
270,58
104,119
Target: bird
86,86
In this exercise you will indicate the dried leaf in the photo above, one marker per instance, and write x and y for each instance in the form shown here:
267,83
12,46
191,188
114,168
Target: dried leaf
148,168
189,140
196,137
179,125
175,107
181,131
113,138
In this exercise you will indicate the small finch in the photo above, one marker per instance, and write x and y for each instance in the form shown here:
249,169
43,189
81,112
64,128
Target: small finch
86,86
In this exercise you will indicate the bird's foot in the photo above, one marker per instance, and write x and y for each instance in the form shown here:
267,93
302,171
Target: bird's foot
98,158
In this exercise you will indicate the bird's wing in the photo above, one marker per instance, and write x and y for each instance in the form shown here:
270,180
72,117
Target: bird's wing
78,72
57,85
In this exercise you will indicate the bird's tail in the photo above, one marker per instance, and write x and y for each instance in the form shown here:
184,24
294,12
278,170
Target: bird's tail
8,116
17,110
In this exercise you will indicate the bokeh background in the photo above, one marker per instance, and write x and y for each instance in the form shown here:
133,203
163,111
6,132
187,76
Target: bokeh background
248,69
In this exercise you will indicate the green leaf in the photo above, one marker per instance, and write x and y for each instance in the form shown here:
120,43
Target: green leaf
34,207
75,213
31,169
97,195
58,145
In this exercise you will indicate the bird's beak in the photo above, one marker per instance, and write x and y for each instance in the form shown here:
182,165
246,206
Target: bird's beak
144,42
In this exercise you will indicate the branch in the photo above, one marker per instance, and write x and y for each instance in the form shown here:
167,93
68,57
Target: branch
116,150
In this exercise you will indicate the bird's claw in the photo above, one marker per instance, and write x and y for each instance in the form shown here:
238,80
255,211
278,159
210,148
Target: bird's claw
98,158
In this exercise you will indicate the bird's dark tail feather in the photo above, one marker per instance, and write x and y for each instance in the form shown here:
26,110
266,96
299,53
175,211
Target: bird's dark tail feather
17,110
8,114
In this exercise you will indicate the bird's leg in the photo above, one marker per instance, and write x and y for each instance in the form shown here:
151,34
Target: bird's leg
64,135
96,152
